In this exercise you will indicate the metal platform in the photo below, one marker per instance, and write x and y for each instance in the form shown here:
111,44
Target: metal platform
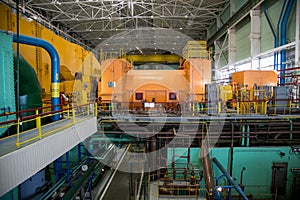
17,164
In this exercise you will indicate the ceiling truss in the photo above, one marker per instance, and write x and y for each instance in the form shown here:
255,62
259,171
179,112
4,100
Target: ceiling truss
96,20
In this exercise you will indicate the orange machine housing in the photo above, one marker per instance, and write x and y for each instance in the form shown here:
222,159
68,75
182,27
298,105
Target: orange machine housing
198,73
121,83
258,77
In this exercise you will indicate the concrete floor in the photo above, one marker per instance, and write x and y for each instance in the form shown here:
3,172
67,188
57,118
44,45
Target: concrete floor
119,188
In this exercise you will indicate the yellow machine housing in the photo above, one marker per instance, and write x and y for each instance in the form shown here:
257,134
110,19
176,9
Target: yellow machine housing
74,59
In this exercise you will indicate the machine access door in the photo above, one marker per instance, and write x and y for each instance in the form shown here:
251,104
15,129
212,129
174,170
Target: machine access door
279,178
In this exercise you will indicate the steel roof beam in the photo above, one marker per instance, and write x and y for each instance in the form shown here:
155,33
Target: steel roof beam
235,19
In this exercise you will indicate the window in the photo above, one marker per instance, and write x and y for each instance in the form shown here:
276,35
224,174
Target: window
172,96
139,96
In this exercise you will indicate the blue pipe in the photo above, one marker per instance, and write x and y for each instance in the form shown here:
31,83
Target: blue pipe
283,40
230,179
223,187
55,67
277,35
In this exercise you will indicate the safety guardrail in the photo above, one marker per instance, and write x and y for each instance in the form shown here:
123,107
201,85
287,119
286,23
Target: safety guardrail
35,119
193,108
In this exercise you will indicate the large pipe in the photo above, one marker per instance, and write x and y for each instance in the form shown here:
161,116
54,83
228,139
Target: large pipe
230,179
283,39
55,67
208,173
277,35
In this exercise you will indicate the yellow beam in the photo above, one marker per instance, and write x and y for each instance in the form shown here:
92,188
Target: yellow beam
157,58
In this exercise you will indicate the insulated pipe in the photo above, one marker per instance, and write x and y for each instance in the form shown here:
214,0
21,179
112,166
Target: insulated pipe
277,35
283,39
55,67
208,172
230,179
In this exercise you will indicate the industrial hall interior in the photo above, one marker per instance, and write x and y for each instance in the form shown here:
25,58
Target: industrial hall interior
150,99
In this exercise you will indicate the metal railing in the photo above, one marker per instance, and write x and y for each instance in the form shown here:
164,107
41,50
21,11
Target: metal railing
239,107
35,119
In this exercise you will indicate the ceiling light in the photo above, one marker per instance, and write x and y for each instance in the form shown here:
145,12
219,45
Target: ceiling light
180,28
177,36
152,16
185,16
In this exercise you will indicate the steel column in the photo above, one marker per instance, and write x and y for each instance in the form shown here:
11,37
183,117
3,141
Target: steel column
231,46
255,37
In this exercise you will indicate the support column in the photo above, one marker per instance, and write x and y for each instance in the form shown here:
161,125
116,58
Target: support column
297,39
217,56
232,7
255,36
218,22
231,46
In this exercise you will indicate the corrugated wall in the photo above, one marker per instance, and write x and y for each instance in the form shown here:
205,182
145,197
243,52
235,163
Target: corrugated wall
224,56
243,29
242,39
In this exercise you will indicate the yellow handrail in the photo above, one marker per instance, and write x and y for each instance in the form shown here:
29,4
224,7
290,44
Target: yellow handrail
87,111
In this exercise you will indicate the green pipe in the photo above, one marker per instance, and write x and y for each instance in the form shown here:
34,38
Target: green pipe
248,136
243,136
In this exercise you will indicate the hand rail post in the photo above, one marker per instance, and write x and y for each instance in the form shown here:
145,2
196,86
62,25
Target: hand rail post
18,133
38,124
73,115
68,111
96,109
